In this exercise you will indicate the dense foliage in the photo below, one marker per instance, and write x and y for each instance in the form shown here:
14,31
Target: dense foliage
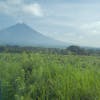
36,76
74,50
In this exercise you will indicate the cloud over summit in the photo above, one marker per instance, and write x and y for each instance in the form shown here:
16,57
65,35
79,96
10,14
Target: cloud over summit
19,7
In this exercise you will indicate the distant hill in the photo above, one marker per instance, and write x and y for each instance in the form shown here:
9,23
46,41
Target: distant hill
23,35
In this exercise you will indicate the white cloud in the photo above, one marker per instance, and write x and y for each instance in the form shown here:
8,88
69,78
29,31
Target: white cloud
33,9
92,28
19,7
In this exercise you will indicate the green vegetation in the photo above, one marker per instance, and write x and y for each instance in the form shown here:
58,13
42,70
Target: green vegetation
74,50
36,76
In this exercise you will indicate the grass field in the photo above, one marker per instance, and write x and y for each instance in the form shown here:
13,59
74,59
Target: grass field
49,77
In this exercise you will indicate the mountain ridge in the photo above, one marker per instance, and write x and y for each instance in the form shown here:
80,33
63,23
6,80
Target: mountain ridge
22,35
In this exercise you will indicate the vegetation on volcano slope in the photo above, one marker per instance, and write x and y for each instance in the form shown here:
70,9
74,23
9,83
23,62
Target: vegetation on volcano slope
30,76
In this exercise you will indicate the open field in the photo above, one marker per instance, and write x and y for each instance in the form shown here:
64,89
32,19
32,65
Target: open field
49,77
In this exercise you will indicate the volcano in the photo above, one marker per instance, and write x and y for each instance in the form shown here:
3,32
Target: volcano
23,35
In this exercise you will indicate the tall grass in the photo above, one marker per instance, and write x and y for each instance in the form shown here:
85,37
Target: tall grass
49,77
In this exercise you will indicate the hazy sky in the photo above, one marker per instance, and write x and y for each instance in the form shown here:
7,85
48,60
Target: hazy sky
75,21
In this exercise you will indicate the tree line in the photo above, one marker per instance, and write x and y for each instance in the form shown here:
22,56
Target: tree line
73,49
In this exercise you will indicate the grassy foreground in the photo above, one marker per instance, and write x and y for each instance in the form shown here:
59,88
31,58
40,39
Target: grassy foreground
49,77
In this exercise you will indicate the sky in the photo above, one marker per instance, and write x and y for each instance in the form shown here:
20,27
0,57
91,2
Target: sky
71,21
